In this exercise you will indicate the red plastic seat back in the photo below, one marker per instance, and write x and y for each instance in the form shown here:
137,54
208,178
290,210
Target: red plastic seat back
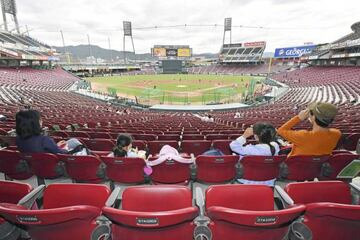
170,172
99,144
145,137
65,195
124,170
156,198
153,213
323,191
197,147
216,169
155,146
12,165
78,134
245,197
261,168
339,161
12,192
140,144
223,146
82,168
44,165
301,168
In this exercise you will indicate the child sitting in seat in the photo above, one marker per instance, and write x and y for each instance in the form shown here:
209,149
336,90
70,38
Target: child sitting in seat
123,148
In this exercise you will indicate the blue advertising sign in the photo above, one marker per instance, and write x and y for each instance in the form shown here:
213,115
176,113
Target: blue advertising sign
293,52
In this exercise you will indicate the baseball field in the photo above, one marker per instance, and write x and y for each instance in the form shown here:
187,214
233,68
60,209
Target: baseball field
177,88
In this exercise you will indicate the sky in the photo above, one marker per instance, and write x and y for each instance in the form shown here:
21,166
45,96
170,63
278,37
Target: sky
281,23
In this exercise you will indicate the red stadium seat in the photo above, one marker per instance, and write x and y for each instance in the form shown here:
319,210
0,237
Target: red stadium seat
83,168
301,168
69,212
223,146
197,147
78,134
44,165
328,214
217,137
99,144
351,141
125,170
171,137
140,144
170,172
192,137
11,192
101,135
13,166
216,169
155,146
145,137
247,211
261,168
153,213
336,163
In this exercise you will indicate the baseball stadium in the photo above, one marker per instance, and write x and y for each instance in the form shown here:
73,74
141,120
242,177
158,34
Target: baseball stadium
179,120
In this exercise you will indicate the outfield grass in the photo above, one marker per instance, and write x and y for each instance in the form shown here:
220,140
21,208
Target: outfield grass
175,88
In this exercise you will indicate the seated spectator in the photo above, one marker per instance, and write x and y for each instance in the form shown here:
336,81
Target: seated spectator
321,140
30,138
123,147
265,134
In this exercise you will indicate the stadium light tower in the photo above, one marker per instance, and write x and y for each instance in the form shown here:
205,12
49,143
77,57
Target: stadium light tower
227,28
128,33
9,7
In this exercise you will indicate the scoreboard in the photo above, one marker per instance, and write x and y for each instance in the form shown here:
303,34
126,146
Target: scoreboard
171,51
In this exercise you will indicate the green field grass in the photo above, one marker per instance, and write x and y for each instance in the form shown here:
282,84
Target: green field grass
175,88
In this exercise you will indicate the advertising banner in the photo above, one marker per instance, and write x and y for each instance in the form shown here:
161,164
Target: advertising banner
159,52
184,52
293,52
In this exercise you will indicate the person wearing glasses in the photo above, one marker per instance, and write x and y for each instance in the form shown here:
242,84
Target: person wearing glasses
321,139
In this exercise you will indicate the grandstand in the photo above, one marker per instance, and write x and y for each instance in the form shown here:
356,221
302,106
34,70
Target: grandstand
177,200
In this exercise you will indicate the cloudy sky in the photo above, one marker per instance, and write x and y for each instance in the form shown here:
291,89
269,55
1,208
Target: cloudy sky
283,22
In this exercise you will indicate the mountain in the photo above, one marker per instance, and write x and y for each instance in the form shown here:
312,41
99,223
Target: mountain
83,51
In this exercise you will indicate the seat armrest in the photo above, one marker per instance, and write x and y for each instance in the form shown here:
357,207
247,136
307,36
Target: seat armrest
200,201
355,190
285,198
29,200
113,197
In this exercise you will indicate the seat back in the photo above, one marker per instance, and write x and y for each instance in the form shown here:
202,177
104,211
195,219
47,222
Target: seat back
13,166
82,168
223,145
247,211
69,212
156,198
338,162
301,168
99,144
60,195
245,197
197,147
170,172
12,192
261,168
154,212
323,191
327,204
216,169
124,170
155,146
44,165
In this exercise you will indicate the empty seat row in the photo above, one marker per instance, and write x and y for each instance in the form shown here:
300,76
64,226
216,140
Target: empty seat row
311,210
